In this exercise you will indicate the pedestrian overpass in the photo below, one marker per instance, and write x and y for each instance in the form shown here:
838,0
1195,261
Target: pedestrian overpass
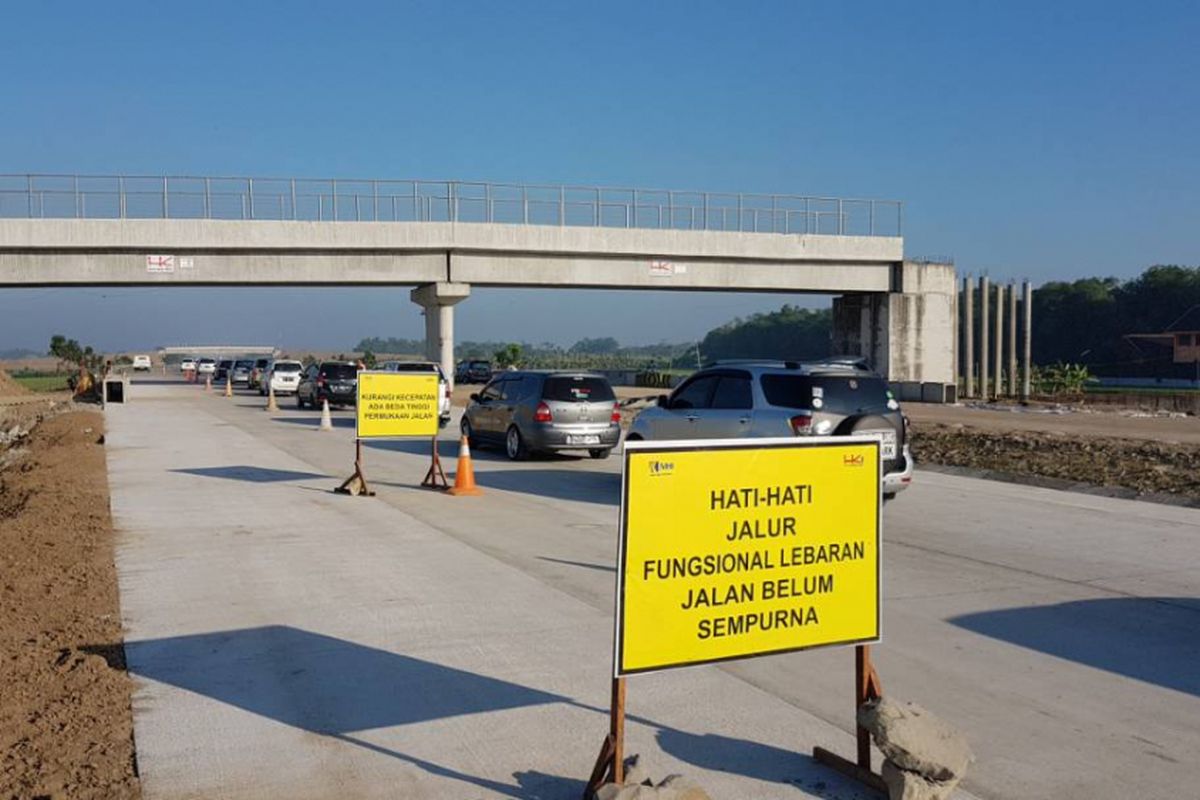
442,238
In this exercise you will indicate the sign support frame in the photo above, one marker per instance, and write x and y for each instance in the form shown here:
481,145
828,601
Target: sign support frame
356,484
867,687
435,478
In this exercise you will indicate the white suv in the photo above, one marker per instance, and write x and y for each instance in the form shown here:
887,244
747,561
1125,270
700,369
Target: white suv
426,366
141,363
283,376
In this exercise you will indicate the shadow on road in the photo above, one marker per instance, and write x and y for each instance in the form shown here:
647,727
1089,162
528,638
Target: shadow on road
343,690
245,472
563,484
1155,639
315,421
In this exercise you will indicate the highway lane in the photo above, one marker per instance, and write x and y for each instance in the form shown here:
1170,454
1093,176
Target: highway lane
1058,630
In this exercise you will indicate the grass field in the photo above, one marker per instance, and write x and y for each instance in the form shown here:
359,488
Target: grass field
42,383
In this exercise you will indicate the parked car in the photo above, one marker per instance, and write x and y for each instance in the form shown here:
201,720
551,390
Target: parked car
473,371
241,371
222,371
335,381
186,365
206,366
141,363
257,372
283,376
784,398
532,411
426,366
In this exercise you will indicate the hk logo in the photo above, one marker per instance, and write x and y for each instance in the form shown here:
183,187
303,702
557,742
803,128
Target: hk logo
852,461
661,468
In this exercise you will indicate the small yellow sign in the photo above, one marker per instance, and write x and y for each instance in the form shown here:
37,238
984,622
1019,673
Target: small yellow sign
397,404
741,548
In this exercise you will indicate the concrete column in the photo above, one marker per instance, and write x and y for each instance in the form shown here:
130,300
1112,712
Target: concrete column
998,365
968,337
985,297
1012,339
908,335
1027,373
438,300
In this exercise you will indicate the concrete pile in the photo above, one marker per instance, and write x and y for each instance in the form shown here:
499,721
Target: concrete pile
639,786
924,757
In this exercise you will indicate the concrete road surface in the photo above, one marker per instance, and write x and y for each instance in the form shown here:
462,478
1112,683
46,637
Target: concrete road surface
289,641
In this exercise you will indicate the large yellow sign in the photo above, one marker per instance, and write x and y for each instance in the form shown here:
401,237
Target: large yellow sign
397,404
734,549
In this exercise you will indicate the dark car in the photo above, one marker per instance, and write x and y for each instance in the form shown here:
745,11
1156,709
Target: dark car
335,381
540,411
473,371
835,397
221,374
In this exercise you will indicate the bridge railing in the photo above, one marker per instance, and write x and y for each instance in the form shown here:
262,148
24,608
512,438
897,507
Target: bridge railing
184,197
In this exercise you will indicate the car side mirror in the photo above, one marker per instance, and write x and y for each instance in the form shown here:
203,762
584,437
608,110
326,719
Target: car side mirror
664,401
475,397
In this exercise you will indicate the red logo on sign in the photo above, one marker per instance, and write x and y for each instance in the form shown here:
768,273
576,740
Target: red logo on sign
852,461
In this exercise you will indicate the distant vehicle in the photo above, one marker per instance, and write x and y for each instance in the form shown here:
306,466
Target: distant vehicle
206,366
222,370
283,376
141,363
532,411
257,372
335,381
187,365
241,371
785,398
473,371
426,366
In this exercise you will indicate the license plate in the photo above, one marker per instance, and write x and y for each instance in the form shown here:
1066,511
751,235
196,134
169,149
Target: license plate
887,446
583,439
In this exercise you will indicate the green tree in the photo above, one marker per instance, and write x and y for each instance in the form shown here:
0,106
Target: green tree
368,359
600,346
507,356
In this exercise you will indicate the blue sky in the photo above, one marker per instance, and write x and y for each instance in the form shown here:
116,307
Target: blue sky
1041,140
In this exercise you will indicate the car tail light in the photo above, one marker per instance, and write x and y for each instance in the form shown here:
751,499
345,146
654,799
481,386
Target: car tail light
542,414
321,379
616,415
801,423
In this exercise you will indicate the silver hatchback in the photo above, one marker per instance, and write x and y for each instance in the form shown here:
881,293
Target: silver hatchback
536,411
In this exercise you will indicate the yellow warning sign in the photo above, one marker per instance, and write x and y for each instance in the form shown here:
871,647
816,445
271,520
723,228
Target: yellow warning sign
732,549
397,404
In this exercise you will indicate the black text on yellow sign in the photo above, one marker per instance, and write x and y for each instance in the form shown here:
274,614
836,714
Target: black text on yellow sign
397,404
731,550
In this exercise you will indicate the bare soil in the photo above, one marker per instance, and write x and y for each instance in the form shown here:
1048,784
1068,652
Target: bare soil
66,728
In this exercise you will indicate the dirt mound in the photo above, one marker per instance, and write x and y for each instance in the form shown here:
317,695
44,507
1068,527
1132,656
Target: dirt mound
66,729
1144,467
9,387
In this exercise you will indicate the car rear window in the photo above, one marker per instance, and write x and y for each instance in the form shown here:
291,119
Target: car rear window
287,366
836,394
246,363
577,389
339,371
413,366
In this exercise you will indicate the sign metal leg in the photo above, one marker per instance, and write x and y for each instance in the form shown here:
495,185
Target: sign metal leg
356,484
867,687
435,478
610,764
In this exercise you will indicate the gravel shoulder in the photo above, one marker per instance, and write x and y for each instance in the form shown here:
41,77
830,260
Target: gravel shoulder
65,721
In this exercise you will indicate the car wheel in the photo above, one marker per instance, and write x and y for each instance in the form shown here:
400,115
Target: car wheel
514,444
599,452
465,427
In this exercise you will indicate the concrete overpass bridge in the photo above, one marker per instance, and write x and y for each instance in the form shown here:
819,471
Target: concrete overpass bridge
445,237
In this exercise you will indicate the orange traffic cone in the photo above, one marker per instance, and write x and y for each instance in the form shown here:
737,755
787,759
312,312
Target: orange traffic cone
228,386
464,477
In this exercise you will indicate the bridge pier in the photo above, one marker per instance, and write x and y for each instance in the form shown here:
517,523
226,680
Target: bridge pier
438,300
907,334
